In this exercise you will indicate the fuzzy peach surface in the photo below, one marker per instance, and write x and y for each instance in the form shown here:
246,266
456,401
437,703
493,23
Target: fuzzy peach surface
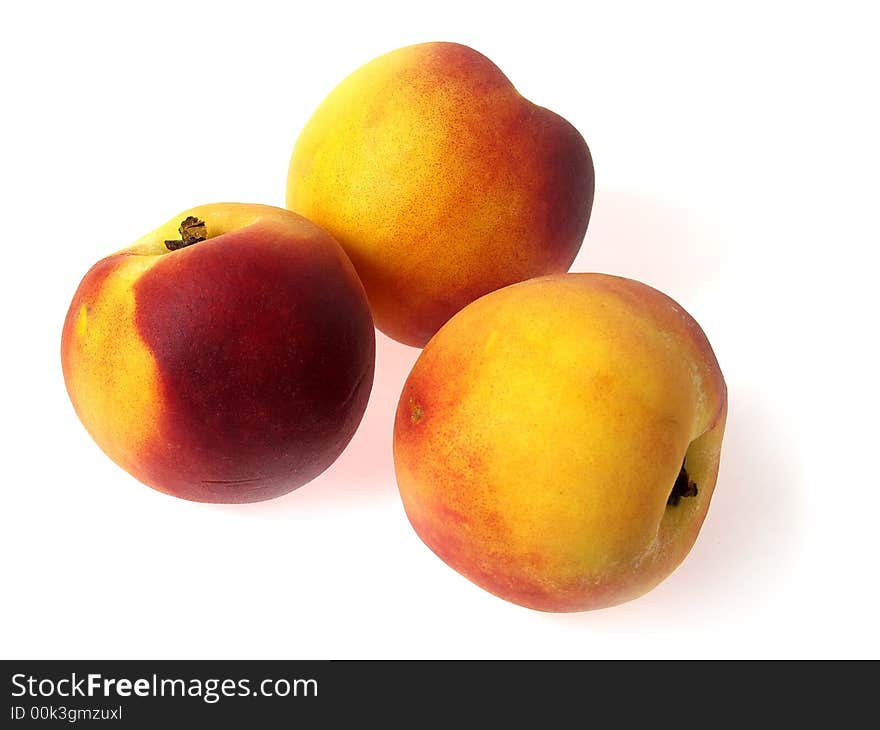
540,433
441,182
231,370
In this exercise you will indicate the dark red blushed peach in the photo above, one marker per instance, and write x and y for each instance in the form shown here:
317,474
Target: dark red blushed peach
234,369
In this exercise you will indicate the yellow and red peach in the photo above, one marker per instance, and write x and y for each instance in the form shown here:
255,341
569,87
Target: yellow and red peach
441,182
225,357
558,440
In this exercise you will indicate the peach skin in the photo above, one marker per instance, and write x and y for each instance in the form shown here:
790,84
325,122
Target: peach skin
441,182
225,357
558,440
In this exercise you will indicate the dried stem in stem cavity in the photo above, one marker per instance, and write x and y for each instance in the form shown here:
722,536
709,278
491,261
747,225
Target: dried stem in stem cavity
683,487
192,230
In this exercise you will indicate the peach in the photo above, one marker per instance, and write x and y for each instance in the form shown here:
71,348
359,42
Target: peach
225,357
441,182
558,440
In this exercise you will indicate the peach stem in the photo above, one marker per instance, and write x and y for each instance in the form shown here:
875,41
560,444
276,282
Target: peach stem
192,230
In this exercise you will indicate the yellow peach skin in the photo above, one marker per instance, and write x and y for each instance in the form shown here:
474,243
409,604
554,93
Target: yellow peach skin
558,440
230,368
441,182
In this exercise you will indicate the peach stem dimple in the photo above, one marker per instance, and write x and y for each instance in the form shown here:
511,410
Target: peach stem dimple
683,487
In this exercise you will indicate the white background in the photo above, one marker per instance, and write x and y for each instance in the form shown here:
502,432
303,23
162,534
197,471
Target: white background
736,161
